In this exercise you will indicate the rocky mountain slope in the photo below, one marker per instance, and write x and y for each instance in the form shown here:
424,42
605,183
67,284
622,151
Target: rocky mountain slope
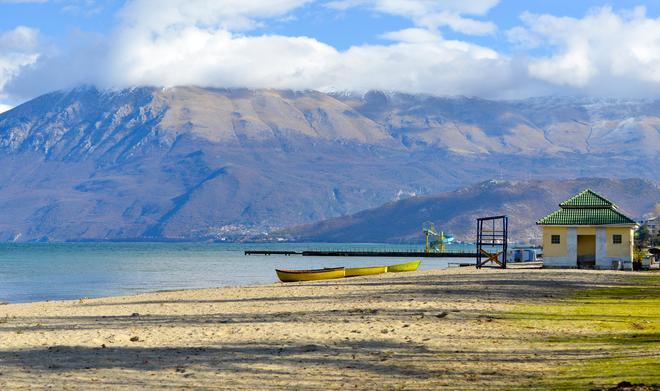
199,163
456,212
539,126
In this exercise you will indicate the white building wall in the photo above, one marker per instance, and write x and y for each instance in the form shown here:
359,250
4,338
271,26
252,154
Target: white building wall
559,262
571,244
601,250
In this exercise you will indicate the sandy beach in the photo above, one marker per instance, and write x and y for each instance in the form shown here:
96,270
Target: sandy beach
422,330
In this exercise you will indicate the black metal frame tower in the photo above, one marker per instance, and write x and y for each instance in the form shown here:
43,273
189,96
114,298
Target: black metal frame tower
495,235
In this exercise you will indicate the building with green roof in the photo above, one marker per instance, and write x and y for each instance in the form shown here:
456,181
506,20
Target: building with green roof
587,231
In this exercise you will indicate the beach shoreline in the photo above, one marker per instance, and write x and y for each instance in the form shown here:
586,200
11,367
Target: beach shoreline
421,330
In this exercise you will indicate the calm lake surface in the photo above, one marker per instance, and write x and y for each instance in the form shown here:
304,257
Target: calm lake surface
36,272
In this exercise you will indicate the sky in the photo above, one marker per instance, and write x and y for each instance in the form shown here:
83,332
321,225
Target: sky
497,49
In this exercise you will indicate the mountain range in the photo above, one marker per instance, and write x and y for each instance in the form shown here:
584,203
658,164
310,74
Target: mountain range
191,163
455,212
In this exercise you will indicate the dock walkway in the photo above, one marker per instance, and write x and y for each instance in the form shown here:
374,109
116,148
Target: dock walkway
350,253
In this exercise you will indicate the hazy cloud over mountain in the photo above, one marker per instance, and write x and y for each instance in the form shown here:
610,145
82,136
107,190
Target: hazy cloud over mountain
17,50
441,50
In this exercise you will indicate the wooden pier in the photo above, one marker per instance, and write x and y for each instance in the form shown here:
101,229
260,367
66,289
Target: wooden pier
365,253
272,252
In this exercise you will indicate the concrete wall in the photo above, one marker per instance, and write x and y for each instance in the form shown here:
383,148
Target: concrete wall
602,261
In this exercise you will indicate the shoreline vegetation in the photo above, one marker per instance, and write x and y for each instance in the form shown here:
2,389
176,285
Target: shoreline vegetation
453,328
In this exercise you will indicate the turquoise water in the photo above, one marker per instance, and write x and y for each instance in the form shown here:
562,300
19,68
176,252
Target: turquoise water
37,272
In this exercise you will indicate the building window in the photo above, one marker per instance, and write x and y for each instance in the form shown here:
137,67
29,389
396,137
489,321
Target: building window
555,239
617,239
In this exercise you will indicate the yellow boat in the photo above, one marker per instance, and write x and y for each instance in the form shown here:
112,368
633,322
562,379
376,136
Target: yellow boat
404,267
365,271
310,275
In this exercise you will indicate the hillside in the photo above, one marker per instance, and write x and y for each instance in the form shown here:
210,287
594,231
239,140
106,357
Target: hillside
193,163
455,212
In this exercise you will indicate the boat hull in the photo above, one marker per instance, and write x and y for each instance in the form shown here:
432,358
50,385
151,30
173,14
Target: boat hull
365,271
404,267
310,275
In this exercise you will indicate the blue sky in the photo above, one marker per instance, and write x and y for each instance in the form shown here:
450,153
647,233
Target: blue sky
59,20
489,48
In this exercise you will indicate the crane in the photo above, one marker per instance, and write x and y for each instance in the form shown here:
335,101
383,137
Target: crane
435,241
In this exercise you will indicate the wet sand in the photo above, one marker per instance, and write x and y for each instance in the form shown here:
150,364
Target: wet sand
419,330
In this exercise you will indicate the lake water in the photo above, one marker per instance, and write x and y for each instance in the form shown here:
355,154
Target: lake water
37,272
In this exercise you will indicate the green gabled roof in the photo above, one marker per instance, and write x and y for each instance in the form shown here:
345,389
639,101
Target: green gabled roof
587,198
586,208
585,216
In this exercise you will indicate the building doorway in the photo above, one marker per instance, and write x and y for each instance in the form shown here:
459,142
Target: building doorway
586,251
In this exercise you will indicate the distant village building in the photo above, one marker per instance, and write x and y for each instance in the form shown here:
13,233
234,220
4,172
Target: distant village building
653,226
588,231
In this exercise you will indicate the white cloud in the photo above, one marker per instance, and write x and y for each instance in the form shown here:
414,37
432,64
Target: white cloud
157,16
432,14
181,45
193,55
420,7
209,43
442,67
201,43
18,48
599,52
20,39
412,35
4,108
457,23
197,56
